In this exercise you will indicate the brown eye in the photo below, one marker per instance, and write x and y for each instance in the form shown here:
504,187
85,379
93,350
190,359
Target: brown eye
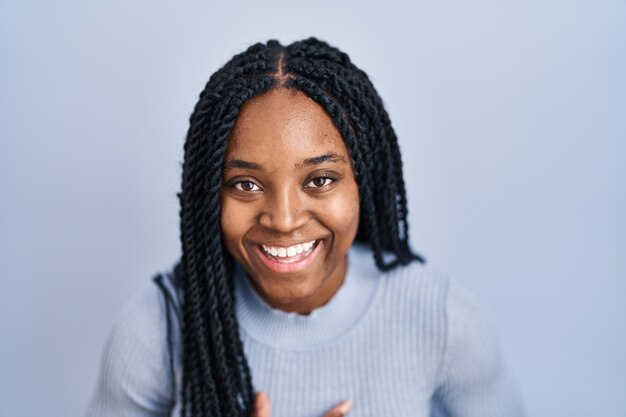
320,182
246,186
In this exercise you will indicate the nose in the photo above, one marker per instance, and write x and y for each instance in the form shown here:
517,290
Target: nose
284,211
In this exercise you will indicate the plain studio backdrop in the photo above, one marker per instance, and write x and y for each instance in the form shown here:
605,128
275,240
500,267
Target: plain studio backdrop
511,117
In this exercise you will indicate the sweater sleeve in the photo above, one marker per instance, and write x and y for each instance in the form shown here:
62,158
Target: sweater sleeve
134,378
474,381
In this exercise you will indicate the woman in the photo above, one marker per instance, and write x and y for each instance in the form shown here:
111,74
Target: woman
297,286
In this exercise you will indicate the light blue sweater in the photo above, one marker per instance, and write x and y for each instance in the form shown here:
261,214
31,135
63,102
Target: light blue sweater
405,343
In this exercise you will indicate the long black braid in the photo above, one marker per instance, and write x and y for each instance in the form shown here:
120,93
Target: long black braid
216,378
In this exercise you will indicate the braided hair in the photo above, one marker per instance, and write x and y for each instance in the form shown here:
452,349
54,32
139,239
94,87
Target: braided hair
216,377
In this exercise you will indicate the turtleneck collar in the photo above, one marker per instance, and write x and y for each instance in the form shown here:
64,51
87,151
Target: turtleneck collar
293,331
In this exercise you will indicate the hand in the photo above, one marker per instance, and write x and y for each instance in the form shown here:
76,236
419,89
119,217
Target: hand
262,407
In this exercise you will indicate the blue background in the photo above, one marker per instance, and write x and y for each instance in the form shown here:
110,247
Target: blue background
511,119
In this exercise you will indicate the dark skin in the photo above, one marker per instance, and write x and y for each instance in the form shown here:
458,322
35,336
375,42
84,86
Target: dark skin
288,182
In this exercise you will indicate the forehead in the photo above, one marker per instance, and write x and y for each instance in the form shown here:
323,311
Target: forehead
283,125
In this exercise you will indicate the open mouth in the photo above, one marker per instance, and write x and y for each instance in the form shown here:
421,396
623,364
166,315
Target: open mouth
291,253
290,258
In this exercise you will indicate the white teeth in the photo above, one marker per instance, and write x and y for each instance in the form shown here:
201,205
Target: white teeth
290,251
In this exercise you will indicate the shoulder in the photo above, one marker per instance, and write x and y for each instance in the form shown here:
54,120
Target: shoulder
135,369
410,286
447,329
471,346
142,311
451,315
473,378
142,324
442,315
419,287
430,287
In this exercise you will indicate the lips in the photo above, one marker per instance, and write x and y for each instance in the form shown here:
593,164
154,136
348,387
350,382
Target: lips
289,253
287,259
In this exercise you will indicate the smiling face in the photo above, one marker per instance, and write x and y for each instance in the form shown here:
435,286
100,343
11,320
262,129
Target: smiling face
290,203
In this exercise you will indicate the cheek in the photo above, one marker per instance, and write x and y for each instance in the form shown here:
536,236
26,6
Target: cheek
342,213
234,224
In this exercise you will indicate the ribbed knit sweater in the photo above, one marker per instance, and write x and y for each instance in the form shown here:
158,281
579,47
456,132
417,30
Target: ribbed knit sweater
411,342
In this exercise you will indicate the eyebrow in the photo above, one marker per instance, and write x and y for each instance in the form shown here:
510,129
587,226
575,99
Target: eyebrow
316,160
240,163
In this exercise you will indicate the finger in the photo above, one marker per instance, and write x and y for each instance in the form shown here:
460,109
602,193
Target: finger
340,409
261,405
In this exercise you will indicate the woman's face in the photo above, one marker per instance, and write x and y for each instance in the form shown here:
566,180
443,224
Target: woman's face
290,203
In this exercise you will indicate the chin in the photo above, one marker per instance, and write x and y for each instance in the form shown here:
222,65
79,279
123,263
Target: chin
284,294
